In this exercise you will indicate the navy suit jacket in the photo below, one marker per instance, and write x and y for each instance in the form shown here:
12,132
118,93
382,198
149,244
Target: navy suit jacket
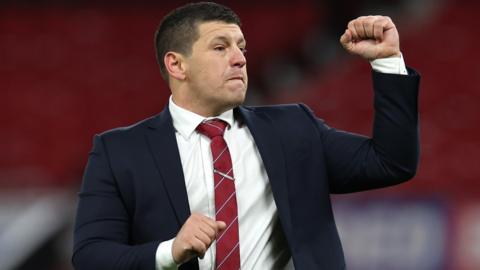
133,194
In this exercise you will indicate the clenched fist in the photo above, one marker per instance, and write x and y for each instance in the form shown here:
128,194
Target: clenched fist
195,237
371,37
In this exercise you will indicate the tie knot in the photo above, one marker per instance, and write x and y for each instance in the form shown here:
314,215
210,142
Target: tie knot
212,128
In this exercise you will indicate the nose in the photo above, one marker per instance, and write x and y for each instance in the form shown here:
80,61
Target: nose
238,58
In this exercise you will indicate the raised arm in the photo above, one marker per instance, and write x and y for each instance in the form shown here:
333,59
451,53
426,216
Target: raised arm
391,156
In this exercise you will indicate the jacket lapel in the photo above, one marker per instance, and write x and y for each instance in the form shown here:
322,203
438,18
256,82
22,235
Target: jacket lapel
162,141
270,147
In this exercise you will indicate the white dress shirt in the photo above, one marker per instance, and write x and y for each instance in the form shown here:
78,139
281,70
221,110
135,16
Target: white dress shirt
262,244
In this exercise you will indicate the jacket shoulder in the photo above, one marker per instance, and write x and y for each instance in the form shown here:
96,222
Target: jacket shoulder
279,109
284,112
134,129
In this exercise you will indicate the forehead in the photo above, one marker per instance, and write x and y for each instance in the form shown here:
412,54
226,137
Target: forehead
211,30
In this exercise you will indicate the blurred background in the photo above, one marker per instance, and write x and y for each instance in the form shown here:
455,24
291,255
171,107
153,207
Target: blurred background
71,69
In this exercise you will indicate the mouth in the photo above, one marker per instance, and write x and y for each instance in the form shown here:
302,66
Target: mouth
234,78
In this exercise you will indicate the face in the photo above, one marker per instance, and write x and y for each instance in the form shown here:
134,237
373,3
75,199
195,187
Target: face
216,71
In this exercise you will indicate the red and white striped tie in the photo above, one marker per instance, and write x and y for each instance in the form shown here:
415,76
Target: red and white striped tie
228,248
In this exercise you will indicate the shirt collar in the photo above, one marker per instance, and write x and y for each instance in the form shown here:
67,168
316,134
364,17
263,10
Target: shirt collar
185,122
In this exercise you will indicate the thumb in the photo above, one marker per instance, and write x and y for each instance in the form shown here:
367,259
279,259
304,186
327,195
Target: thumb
346,38
221,225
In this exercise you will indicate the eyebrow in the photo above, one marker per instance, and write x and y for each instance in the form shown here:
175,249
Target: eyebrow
227,40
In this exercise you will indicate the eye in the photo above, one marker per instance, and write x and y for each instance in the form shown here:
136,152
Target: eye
244,51
219,48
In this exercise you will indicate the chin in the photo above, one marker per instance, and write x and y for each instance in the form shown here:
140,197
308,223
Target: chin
239,97
233,102
233,95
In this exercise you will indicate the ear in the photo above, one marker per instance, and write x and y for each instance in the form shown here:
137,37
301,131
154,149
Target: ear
174,63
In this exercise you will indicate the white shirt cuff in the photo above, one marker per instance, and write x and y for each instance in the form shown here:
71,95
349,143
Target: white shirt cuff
392,65
164,257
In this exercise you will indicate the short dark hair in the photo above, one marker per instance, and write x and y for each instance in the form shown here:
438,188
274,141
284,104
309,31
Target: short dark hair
179,29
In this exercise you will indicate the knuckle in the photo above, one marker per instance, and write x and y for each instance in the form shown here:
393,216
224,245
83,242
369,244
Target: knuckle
195,245
358,28
211,237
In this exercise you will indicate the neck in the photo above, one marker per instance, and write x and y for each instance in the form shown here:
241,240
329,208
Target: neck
205,110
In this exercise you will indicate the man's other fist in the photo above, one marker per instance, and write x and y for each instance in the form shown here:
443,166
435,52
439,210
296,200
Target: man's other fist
195,237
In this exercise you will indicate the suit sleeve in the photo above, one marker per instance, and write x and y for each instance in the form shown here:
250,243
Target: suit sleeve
391,155
101,236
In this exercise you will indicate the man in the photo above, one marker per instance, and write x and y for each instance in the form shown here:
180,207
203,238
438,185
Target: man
211,184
